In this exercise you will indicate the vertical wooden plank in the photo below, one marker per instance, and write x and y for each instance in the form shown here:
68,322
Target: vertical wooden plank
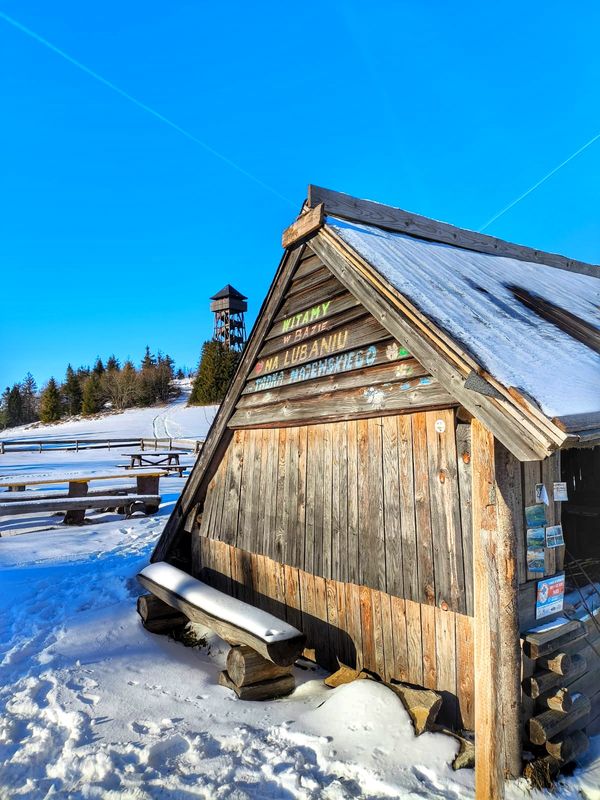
414,641
292,597
376,519
555,475
401,661
307,599
426,590
342,504
290,497
497,743
366,625
270,466
365,555
465,683
408,504
297,531
463,453
345,649
233,483
388,639
353,624
377,624
445,648
322,643
253,515
428,639
394,582
243,538
281,500
327,501
445,511
333,621
353,501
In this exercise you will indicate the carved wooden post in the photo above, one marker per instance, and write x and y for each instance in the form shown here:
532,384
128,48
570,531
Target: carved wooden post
497,654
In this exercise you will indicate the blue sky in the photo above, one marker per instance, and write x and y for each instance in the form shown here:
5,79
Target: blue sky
115,228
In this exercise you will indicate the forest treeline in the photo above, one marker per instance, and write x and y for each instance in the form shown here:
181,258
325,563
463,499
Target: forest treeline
111,385
88,390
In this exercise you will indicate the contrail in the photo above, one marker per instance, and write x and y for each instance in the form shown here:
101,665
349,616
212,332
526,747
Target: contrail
539,183
40,39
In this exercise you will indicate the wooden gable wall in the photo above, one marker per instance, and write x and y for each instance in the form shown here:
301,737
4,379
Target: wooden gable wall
326,358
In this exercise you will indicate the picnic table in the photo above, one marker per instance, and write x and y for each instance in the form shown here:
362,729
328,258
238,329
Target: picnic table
154,458
78,483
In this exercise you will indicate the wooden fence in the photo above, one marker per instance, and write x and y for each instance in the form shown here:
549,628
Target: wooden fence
16,445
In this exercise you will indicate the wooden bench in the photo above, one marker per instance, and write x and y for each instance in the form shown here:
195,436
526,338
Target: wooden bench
149,503
264,647
33,494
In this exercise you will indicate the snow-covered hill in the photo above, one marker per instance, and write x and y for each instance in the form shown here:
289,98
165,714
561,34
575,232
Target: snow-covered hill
175,420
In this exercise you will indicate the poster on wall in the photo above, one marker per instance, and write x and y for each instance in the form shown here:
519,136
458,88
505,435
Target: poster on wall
550,596
535,515
560,491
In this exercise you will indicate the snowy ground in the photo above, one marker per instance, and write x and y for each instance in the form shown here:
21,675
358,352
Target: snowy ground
93,706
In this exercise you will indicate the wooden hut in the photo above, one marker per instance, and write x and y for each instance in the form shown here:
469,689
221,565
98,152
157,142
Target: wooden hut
410,403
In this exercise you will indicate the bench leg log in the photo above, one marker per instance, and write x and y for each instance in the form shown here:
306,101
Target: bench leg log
148,484
77,516
158,617
253,677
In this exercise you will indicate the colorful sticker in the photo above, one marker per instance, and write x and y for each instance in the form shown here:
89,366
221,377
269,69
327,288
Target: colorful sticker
536,561
550,596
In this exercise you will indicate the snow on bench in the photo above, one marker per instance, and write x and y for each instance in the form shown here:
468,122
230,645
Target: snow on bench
67,504
54,494
232,619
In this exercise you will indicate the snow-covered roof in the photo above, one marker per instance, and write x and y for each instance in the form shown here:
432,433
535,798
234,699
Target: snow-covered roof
494,306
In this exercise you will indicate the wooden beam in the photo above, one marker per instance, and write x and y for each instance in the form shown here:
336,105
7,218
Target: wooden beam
497,665
389,218
304,227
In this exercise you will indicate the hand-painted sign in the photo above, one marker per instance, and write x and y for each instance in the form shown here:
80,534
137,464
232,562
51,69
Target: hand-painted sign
550,596
334,365
305,317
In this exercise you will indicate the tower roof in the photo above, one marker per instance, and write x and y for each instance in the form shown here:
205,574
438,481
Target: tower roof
228,291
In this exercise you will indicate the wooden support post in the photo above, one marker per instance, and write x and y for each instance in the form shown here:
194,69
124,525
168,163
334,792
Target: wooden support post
76,517
497,649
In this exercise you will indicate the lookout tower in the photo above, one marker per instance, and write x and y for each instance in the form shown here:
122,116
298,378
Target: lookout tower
229,307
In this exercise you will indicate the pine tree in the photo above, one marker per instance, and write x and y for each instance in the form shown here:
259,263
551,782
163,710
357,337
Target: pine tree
50,405
71,391
216,368
92,395
112,364
28,393
148,360
98,367
15,406
180,374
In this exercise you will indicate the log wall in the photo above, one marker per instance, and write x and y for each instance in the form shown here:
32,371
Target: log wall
361,627
383,502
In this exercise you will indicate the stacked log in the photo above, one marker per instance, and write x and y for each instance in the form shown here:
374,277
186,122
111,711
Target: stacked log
157,616
557,711
253,677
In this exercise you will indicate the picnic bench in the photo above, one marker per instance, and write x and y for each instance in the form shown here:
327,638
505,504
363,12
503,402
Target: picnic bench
147,483
154,458
167,468
264,647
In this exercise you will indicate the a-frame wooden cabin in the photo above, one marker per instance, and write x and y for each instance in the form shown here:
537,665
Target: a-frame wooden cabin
405,387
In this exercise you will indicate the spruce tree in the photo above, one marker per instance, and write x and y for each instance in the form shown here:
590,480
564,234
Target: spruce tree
50,404
92,395
28,393
98,367
112,363
14,408
72,393
215,371
148,360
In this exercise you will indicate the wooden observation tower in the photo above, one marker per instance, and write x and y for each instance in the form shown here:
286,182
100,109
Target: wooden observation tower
229,307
